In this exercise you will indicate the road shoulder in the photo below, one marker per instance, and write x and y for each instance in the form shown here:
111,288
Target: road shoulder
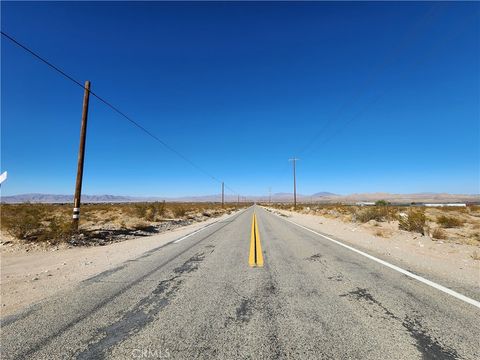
27,278
447,263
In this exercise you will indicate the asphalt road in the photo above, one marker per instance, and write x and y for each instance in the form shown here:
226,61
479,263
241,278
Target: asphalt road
199,298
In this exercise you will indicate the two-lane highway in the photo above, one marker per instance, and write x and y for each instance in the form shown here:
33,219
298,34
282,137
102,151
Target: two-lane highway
204,297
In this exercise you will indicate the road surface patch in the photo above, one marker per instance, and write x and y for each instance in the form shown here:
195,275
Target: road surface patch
394,267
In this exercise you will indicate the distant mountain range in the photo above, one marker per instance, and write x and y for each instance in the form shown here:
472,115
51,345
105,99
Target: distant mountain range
326,197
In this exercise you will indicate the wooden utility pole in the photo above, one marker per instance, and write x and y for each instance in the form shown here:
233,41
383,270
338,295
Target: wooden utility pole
81,157
294,160
238,201
223,194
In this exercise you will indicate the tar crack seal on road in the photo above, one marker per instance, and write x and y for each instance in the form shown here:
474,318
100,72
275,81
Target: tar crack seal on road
142,314
337,277
244,311
314,257
429,346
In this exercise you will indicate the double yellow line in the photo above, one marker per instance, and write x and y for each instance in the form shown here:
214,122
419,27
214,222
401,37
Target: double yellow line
256,257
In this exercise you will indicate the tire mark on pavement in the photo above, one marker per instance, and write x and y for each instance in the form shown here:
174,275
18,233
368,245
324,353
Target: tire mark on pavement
363,294
315,257
429,346
263,305
336,277
143,313
30,351
330,275
245,311
106,273
271,306
10,319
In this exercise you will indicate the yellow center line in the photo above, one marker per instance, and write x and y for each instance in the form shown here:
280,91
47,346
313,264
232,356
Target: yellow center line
251,258
256,257
258,251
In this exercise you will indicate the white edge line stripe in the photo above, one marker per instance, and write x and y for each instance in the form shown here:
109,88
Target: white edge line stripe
194,232
396,268
205,227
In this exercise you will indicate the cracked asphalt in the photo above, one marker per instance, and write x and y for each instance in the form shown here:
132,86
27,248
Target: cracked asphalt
199,299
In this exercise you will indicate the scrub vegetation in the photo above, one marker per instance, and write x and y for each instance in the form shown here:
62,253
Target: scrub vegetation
449,221
452,224
51,223
414,221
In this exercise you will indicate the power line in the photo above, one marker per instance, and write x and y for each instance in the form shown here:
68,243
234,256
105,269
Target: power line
384,91
116,109
427,18
43,60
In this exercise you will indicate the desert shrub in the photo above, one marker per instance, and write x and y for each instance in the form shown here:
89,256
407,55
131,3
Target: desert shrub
377,213
140,210
474,210
344,210
22,221
141,225
457,209
476,236
370,213
88,215
381,203
414,221
161,208
179,211
439,234
36,222
57,230
449,221
390,212
52,222
148,211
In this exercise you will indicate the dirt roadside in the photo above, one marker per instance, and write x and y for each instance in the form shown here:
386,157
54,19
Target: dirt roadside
28,277
417,253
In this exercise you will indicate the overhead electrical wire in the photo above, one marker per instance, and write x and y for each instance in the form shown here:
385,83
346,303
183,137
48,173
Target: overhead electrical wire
117,110
375,99
425,20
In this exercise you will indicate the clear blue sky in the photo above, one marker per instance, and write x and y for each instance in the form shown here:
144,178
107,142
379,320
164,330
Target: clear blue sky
239,88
